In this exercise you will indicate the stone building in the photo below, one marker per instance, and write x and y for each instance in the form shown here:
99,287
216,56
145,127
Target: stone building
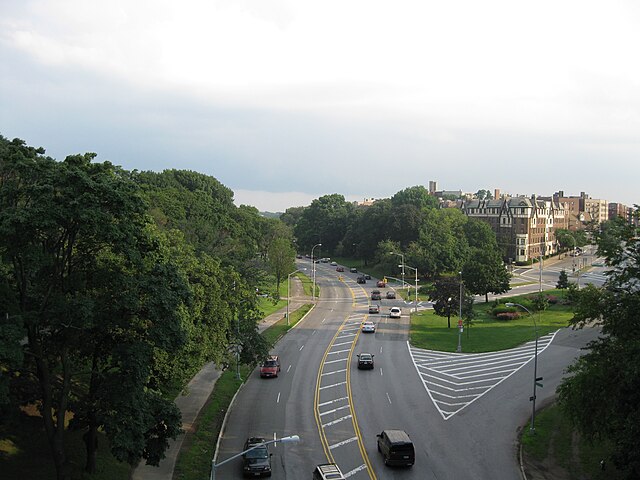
524,226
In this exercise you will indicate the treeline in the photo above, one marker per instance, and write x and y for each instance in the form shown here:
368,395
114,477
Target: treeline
115,288
444,245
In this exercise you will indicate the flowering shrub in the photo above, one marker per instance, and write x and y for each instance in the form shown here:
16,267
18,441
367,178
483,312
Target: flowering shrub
506,316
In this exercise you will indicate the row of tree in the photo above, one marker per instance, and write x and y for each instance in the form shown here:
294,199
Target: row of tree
115,288
439,243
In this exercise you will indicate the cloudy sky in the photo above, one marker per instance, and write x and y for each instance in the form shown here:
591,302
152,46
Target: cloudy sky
285,101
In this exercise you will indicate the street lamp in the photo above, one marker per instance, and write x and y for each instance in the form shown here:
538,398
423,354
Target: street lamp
402,256
288,288
416,293
290,439
313,293
536,379
459,349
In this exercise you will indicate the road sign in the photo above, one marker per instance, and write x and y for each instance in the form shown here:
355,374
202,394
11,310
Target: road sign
460,323
539,384
531,399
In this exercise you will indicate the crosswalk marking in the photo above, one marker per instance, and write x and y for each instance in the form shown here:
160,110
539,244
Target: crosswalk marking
454,381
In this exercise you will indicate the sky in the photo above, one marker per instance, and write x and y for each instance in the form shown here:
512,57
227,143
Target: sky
286,101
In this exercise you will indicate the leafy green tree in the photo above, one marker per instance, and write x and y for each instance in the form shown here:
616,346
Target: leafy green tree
281,259
96,298
601,394
325,221
563,280
445,295
484,273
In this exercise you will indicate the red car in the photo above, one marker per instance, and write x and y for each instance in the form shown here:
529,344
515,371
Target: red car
339,269
381,284
270,367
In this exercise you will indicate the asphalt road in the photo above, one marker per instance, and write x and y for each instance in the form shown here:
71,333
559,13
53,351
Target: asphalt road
462,411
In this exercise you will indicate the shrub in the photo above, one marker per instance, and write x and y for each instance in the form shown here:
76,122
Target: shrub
500,309
552,299
506,316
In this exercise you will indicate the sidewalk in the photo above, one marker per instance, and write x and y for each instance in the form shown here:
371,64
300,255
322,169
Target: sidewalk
198,391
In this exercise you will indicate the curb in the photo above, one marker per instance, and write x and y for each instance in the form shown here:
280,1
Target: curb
224,423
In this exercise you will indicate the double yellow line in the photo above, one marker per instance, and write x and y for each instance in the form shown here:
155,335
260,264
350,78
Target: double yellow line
323,437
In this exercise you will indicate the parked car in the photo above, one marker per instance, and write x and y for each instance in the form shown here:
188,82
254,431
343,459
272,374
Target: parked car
373,308
270,367
361,280
375,295
396,448
368,327
391,295
395,312
339,269
327,471
256,462
381,284
353,270
298,256
365,361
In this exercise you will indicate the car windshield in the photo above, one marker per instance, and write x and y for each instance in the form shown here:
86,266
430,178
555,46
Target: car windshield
365,356
270,363
258,452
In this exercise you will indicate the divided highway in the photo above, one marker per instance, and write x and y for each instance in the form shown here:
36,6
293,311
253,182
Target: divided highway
462,411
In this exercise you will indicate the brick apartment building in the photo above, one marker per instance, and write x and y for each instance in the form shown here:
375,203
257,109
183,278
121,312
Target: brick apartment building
524,226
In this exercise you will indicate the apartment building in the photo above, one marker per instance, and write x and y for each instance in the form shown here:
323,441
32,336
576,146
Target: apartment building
582,209
524,226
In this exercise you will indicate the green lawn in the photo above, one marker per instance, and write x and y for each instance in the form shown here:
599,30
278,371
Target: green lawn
486,334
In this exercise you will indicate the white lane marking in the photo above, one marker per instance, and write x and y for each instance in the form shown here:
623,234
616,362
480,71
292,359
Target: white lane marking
288,368
333,401
334,385
354,471
380,349
388,398
339,420
381,371
475,374
343,343
323,320
344,442
335,361
339,351
278,400
313,333
301,348
334,410
337,371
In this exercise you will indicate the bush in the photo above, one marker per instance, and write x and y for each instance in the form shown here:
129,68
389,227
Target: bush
500,309
552,299
506,316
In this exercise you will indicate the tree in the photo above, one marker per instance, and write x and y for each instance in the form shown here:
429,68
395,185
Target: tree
445,295
601,395
563,280
281,259
484,273
96,297
325,221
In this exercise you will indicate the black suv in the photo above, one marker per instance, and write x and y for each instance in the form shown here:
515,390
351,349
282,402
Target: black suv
375,295
365,361
361,279
256,462
396,448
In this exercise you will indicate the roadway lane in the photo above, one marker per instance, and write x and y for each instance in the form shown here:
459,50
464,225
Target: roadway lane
285,405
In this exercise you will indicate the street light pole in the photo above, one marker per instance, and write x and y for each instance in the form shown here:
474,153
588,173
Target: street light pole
313,263
459,349
402,256
290,439
415,297
532,428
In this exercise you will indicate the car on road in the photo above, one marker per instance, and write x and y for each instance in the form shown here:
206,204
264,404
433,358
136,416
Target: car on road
365,361
368,327
376,295
257,461
339,269
361,279
334,264
353,270
396,448
327,471
381,284
395,312
270,367
373,308
367,276
298,256
391,295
